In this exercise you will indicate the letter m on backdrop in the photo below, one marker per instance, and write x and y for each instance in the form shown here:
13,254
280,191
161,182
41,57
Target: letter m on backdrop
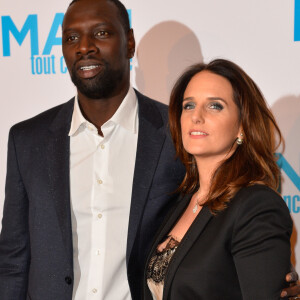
297,21
288,170
30,25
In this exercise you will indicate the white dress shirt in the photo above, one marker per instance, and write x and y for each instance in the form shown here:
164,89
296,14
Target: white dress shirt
101,176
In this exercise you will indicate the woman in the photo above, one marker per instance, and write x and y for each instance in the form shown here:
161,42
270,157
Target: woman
229,235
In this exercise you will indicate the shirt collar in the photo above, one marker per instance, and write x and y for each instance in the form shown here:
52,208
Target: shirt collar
77,118
125,115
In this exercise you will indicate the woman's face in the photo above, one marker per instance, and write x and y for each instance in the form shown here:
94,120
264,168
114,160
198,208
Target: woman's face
210,118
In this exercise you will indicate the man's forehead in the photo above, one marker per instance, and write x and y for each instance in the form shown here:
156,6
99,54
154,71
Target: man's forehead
90,2
96,8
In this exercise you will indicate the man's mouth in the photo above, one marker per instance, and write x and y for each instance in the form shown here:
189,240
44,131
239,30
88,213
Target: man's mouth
87,68
89,71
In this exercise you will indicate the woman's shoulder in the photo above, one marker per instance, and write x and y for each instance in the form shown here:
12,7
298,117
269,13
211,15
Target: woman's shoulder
258,193
257,201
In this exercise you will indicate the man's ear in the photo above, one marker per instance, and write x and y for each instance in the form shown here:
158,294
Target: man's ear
130,44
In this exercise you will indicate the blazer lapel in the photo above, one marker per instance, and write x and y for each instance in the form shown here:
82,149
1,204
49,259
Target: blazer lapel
169,222
186,243
151,137
58,156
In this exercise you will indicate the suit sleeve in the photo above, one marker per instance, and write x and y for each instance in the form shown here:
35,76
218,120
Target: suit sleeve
14,238
261,244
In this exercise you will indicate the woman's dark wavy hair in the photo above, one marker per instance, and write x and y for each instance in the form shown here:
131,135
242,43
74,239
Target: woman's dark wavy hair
254,160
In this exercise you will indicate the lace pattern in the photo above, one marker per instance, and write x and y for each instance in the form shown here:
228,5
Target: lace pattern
159,263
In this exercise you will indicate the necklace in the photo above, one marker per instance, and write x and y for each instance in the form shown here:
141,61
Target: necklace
197,205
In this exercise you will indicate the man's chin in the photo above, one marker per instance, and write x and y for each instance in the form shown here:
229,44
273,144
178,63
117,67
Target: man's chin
101,86
91,94
95,92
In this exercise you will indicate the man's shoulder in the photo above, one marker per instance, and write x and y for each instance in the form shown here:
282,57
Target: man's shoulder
151,101
47,117
151,107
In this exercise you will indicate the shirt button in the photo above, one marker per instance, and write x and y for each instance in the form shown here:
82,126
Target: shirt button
98,252
99,181
68,280
94,291
99,216
102,146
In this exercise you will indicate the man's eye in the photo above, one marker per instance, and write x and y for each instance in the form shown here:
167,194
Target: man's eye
102,33
188,106
216,105
72,38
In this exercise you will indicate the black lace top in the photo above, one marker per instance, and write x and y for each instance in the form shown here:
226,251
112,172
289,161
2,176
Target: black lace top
159,263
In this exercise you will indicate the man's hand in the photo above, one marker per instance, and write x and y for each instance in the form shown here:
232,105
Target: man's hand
294,289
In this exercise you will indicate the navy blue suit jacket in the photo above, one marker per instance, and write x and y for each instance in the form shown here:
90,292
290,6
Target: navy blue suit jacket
36,255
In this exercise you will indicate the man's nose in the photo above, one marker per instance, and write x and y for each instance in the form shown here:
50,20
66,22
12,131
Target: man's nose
86,45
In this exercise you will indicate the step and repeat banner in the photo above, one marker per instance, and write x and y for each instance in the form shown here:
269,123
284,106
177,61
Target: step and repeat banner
263,37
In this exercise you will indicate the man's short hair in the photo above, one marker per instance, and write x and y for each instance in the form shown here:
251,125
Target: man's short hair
124,18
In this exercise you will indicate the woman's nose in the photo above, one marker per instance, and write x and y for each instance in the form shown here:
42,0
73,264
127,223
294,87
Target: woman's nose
197,117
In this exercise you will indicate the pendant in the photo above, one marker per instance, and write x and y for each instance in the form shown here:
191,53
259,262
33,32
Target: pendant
195,208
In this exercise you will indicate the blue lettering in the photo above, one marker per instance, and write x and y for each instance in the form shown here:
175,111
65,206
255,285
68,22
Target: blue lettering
287,200
32,65
39,65
52,40
289,171
297,21
43,65
296,207
63,68
292,203
9,26
47,66
53,64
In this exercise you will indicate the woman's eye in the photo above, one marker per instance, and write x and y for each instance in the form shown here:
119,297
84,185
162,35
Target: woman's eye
188,106
216,105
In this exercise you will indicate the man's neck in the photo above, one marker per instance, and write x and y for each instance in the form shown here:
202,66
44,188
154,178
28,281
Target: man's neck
99,111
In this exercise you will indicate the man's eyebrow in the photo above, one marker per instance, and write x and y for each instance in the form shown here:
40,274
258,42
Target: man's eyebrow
93,26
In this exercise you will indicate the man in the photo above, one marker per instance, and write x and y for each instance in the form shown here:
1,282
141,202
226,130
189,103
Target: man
72,222
88,182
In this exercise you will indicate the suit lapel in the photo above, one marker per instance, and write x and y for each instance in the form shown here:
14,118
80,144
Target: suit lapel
58,156
186,243
151,137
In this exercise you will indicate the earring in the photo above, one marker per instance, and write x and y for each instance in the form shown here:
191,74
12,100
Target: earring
240,141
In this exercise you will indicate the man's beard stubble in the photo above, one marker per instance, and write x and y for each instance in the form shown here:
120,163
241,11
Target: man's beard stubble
102,86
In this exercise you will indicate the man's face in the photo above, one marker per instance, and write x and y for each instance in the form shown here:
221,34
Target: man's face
96,48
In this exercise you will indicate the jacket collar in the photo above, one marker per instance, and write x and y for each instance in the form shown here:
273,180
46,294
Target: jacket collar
187,241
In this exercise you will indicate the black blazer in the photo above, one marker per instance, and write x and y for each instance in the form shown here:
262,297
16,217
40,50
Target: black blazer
241,253
36,255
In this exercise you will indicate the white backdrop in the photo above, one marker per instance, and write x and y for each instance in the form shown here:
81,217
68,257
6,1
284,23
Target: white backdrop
170,35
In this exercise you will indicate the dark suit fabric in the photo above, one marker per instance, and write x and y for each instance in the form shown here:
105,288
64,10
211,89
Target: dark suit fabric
36,255
241,253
